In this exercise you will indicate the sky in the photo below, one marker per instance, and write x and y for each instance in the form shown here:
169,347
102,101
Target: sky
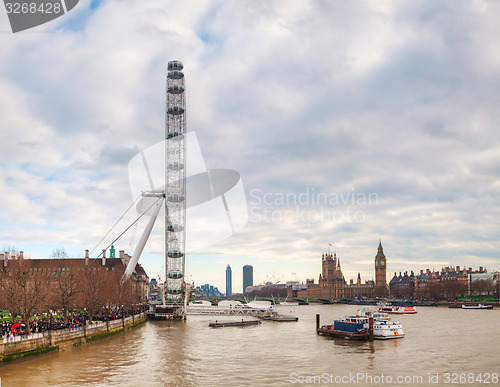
348,122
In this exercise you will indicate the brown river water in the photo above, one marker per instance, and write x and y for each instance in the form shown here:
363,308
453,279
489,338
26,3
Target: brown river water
442,347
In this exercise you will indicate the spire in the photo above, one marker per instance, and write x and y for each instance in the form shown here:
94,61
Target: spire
359,275
380,253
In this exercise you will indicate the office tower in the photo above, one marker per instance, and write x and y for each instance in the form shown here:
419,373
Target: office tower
229,281
247,276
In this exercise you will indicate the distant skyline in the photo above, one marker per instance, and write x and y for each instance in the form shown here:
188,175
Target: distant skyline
347,121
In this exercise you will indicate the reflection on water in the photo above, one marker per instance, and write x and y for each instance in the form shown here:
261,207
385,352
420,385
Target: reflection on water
189,353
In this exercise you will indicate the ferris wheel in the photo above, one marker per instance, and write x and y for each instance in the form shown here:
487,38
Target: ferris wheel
175,185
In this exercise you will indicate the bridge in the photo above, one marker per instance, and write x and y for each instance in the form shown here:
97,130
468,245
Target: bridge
277,300
229,311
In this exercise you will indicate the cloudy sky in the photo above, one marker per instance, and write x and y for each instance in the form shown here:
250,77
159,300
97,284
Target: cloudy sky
347,121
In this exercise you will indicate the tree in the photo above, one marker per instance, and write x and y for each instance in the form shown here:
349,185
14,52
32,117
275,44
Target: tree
121,291
66,288
24,290
59,254
482,287
94,295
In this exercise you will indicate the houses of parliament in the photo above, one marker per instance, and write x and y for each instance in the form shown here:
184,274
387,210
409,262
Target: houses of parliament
332,284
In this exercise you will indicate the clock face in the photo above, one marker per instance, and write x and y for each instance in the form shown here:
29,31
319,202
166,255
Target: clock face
381,263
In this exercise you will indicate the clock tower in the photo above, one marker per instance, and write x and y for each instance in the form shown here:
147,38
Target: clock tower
380,272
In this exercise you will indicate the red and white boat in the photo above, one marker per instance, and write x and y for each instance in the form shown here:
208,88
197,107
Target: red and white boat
392,309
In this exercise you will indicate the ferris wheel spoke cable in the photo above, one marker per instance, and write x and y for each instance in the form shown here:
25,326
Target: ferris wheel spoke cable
111,229
128,228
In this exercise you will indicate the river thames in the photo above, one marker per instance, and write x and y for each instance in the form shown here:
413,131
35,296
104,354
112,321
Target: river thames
442,347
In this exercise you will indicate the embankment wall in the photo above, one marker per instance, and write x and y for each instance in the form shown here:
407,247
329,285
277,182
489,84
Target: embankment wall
21,346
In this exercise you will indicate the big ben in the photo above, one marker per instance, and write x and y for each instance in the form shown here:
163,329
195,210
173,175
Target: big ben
380,272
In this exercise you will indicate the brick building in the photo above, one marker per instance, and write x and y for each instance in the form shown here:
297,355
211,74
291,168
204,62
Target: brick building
449,282
112,268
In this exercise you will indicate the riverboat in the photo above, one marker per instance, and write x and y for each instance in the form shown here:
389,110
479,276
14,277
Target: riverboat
392,309
383,329
241,323
366,312
329,330
357,328
162,312
478,306
283,317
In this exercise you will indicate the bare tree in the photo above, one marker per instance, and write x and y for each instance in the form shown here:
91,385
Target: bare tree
24,290
65,288
95,295
482,287
59,254
121,291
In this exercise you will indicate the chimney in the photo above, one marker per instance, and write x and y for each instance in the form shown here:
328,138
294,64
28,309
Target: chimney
427,271
6,255
480,269
86,257
122,254
21,255
351,281
421,272
447,269
104,257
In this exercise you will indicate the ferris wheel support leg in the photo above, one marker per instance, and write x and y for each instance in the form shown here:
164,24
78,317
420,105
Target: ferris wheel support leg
142,242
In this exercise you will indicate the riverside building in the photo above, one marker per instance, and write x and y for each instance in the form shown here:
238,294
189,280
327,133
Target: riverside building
332,284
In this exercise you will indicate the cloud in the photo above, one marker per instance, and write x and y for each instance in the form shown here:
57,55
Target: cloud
397,99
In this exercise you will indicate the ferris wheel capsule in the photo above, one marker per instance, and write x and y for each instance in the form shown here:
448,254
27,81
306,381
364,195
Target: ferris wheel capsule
175,89
175,227
175,197
175,165
174,290
175,110
174,136
175,253
175,74
175,274
175,65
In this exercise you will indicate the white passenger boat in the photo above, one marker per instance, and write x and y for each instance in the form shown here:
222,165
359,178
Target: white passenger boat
392,309
382,329
367,312
478,306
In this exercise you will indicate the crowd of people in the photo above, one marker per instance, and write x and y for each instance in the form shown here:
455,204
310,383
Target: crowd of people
55,320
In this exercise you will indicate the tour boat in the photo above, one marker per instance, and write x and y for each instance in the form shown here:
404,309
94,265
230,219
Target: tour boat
382,327
478,306
356,328
398,309
367,312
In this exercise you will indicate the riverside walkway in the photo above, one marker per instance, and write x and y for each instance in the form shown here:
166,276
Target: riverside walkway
18,346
